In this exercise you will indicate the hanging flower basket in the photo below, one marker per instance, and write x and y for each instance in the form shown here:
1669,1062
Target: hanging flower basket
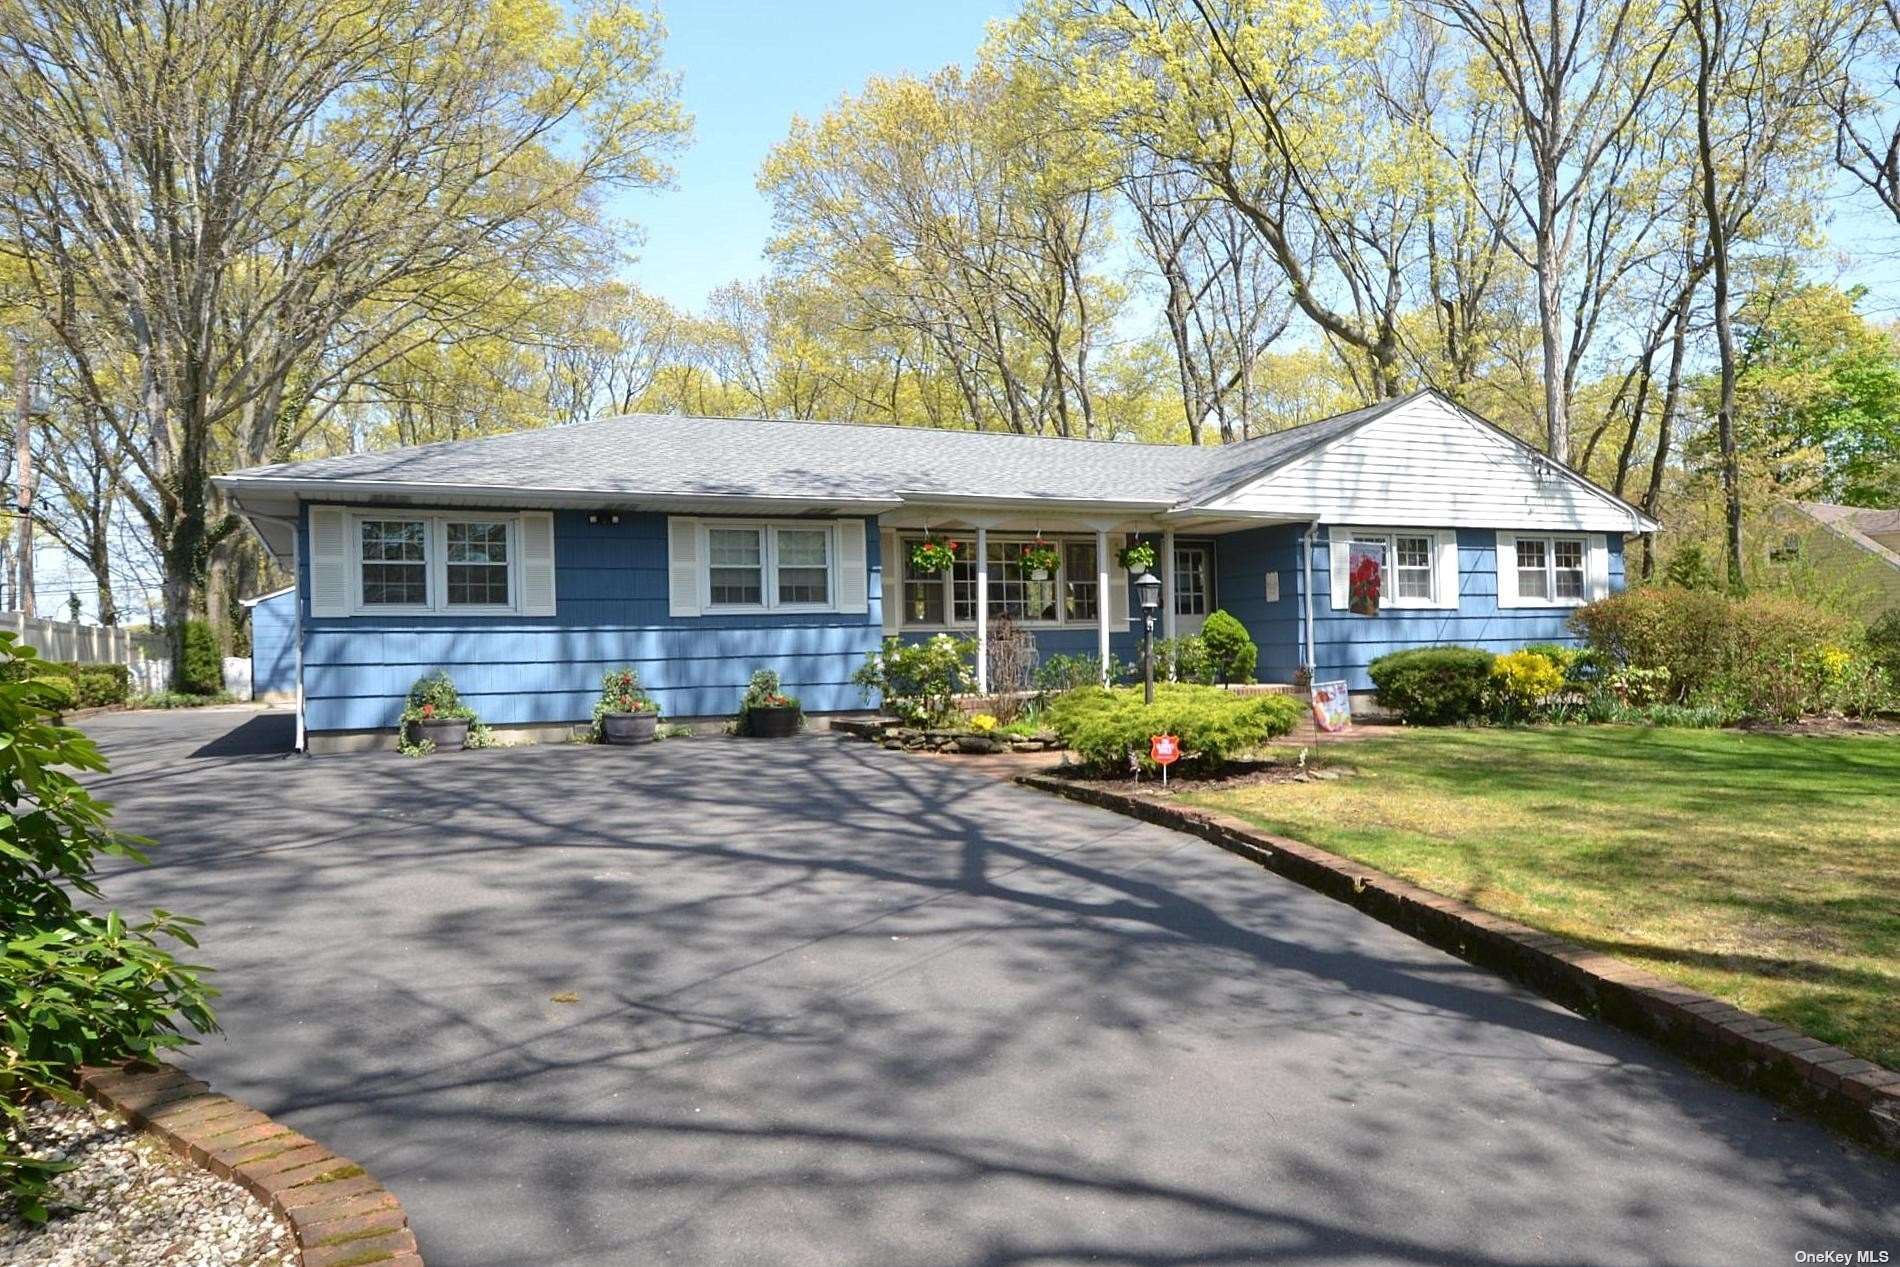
933,555
1139,557
1040,557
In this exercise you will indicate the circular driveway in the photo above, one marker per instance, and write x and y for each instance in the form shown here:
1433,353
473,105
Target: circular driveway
840,1005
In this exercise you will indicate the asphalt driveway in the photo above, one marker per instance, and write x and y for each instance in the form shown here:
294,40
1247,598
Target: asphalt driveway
839,1005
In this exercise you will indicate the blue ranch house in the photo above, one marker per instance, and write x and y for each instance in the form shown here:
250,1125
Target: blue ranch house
699,549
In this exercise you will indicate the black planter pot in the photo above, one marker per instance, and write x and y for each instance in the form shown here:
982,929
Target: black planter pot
771,723
447,736
628,727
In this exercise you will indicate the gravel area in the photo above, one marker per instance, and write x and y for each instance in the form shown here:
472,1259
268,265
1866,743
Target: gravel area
132,1202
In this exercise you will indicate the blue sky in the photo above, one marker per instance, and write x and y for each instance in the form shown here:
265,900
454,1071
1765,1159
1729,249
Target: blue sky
748,66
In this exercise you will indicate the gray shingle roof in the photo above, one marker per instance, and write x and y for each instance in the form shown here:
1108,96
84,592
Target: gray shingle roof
666,455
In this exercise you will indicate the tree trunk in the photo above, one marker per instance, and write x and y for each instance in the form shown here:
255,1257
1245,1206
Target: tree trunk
1709,40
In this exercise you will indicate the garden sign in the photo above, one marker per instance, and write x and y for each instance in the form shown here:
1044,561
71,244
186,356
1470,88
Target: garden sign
1165,750
1332,706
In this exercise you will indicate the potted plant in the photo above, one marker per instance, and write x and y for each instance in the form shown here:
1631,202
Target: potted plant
766,712
933,556
625,713
434,718
1139,557
1040,558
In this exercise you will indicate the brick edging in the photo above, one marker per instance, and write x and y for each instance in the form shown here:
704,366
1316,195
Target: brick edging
1856,1096
339,1215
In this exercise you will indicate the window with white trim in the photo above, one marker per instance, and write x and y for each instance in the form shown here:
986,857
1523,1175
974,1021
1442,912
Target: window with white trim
435,563
477,562
803,566
1551,569
393,562
1409,567
1065,595
769,567
736,560
1193,580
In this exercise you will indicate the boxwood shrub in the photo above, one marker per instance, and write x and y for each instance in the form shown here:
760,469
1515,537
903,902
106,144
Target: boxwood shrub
1106,728
1433,686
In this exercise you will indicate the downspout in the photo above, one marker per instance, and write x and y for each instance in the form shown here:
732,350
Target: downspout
297,595
1309,540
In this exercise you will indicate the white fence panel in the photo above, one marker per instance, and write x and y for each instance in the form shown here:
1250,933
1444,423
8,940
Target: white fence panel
86,644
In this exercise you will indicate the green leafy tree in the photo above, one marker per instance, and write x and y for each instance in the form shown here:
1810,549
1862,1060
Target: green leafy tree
75,987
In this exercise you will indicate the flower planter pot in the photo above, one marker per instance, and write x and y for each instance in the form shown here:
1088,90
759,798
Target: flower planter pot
628,727
447,736
771,723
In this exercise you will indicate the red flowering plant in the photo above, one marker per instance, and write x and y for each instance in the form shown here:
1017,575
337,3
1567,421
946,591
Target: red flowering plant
763,692
1040,555
933,555
1363,581
621,692
433,697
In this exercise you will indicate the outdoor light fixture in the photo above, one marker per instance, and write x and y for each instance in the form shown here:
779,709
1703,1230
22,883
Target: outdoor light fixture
1148,591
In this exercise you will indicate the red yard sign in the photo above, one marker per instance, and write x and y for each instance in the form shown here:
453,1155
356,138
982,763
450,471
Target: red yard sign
1165,749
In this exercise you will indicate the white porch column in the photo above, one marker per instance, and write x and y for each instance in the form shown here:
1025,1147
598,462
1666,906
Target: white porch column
1167,594
1101,599
982,610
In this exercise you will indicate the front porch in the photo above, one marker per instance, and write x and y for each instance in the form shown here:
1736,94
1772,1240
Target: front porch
1085,605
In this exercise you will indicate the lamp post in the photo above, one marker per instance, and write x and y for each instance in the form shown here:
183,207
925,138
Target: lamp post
1148,590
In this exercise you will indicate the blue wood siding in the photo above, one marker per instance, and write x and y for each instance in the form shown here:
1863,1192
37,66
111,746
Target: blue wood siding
610,610
1344,644
1241,563
274,645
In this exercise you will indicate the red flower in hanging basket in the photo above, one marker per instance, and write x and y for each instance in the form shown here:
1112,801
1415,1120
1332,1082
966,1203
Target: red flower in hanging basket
933,555
1040,555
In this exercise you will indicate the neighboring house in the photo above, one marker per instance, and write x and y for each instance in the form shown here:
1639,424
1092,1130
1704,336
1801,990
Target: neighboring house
697,549
274,645
1849,550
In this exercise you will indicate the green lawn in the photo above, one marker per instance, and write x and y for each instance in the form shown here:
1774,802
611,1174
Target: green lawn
1762,869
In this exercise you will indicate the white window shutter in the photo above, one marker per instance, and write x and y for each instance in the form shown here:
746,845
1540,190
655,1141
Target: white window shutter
331,570
1507,570
1449,580
1117,584
1341,550
682,567
1596,577
891,573
537,563
853,582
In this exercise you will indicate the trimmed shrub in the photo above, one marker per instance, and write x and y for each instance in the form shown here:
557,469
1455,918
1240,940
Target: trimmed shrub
201,672
1230,651
1109,730
1433,686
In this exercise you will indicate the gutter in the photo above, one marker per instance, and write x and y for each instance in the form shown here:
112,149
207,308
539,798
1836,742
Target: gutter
1308,540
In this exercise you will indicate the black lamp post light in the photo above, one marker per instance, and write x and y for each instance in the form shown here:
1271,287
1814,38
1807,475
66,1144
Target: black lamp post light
1148,591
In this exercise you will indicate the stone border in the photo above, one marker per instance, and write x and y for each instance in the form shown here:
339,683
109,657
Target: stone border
1856,1096
339,1215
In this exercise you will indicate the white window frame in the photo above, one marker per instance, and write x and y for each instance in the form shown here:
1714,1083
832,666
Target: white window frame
1444,589
768,530
1184,549
906,538
435,558
1586,554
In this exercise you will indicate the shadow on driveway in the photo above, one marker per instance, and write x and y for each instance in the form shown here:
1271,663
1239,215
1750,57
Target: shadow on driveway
837,1005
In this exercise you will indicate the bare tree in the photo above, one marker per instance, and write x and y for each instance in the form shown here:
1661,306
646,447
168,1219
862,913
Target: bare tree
1867,105
203,194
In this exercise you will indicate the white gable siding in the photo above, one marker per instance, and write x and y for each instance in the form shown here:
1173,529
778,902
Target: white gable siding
1427,464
